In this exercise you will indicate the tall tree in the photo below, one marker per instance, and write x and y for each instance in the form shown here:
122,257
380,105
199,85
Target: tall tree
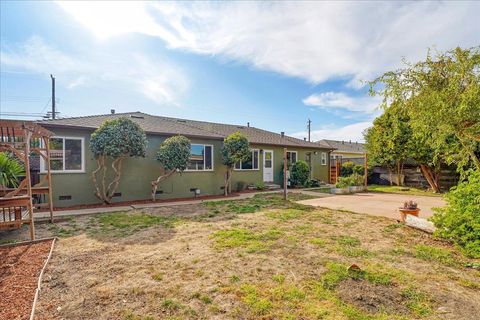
388,142
442,97
113,141
174,154
235,148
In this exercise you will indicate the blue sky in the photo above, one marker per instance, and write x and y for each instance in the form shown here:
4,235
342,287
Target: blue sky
271,64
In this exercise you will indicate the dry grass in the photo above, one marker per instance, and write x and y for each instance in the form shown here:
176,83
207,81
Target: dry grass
281,261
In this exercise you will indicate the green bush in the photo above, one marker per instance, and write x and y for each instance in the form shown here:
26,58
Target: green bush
359,169
10,170
300,173
346,169
260,186
352,180
459,220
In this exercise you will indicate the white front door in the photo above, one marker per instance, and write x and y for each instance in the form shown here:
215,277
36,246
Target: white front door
267,165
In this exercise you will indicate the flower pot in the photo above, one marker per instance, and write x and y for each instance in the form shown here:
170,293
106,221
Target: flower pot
404,212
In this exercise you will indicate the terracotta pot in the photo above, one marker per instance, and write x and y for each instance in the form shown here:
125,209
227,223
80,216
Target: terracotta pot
404,212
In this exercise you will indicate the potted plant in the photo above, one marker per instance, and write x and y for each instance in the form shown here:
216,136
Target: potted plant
341,187
409,207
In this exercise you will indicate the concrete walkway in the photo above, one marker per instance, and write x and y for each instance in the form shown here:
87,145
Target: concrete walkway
379,204
76,212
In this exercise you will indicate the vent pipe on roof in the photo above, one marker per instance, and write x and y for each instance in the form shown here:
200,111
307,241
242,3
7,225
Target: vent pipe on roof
304,139
112,111
283,134
248,124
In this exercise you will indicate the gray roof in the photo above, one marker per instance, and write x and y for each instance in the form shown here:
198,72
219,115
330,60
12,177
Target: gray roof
190,128
344,146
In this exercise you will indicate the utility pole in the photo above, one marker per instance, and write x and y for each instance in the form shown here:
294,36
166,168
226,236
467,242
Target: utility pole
309,125
53,97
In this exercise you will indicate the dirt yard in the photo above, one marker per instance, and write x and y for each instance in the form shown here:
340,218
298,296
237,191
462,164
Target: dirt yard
260,258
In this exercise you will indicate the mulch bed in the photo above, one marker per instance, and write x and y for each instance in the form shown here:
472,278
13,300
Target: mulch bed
20,267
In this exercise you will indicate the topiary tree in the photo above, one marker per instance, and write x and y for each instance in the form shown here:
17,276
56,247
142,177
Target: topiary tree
235,148
300,173
459,220
174,154
115,140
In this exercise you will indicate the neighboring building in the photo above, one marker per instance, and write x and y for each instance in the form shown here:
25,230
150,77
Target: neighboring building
72,161
344,149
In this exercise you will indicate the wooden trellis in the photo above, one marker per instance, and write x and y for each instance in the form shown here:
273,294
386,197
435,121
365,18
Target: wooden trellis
23,138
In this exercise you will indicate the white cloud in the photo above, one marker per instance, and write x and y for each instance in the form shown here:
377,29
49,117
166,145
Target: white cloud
156,79
340,100
351,132
315,41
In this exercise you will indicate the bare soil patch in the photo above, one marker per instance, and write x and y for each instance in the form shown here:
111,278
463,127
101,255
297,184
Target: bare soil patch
20,267
372,298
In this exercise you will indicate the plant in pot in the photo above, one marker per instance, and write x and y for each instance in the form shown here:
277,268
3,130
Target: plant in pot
409,207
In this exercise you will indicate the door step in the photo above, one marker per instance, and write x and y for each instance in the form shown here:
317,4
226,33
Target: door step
272,186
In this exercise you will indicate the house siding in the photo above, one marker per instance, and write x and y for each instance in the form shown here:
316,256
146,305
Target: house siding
137,173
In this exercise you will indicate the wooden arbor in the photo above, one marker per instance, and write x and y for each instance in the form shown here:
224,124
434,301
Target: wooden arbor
22,138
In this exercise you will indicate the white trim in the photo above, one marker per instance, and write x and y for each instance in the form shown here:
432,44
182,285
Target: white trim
212,156
82,170
296,155
258,162
323,156
272,167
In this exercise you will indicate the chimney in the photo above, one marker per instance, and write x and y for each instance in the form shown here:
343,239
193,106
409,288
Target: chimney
342,142
350,141
304,139
112,111
283,134
248,124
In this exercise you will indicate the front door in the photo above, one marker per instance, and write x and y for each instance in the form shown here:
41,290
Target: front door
267,165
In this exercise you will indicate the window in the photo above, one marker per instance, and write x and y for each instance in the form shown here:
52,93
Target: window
201,158
324,158
250,164
66,155
291,158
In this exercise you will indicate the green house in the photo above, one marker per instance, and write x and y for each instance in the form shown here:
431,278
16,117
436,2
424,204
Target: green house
72,162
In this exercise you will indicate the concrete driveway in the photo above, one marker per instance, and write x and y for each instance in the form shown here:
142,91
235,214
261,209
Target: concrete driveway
378,204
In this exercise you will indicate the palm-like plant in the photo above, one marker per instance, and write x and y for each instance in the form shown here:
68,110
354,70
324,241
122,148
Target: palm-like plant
10,170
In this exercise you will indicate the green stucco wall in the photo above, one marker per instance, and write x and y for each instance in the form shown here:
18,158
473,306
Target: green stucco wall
138,172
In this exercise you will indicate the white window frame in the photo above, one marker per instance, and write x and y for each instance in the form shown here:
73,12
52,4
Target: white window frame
82,170
323,158
203,170
253,169
296,156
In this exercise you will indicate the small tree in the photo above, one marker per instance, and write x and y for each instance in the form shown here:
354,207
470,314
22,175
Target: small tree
174,154
115,140
235,148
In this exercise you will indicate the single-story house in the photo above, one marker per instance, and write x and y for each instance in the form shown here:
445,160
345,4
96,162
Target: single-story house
72,161
345,149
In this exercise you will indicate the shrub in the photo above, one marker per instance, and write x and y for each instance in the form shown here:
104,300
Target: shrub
260,186
459,220
346,169
352,180
300,173
10,170
359,169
